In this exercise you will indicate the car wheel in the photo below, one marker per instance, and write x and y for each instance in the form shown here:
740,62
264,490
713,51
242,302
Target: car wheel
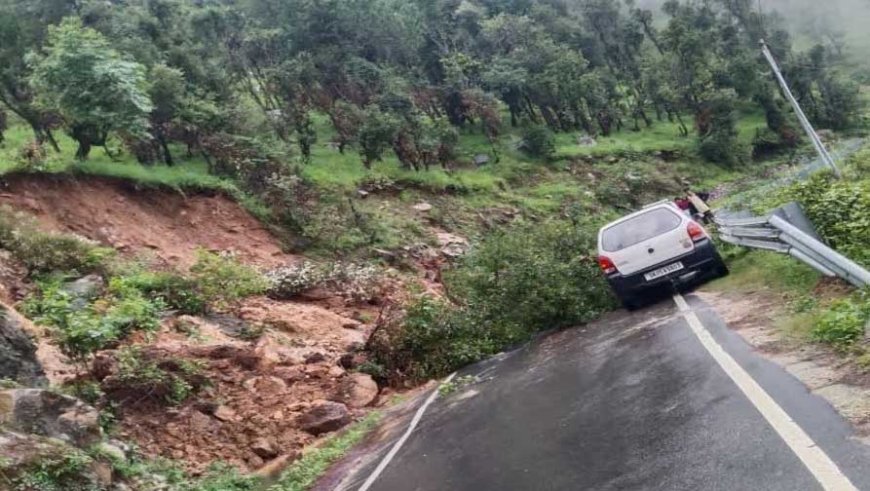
631,303
721,268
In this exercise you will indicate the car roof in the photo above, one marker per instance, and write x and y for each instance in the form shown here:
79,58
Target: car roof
656,206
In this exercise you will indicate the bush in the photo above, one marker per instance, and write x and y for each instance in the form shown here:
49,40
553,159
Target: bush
98,325
840,210
45,252
168,379
172,290
353,281
843,323
222,280
513,284
538,141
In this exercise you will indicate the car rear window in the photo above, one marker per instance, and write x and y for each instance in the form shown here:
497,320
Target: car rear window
639,228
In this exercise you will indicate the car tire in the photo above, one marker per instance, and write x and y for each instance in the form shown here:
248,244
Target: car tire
721,268
631,303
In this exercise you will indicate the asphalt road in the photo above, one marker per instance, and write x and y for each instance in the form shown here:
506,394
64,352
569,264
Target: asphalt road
633,401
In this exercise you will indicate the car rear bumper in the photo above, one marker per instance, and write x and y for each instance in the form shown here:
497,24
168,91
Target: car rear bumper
699,263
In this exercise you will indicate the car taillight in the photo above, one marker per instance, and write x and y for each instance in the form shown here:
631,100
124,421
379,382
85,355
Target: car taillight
606,265
696,232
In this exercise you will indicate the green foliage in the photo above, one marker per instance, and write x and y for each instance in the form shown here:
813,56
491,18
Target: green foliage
172,290
303,473
511,285
375,134
223,280
83,330
90,84
46,252
66,469
843,322
538,141
840,210
170,380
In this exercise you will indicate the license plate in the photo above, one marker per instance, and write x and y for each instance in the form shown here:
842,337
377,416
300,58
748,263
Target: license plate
670,268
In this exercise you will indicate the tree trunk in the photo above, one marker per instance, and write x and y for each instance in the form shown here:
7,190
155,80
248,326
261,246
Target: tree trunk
167,154
84,150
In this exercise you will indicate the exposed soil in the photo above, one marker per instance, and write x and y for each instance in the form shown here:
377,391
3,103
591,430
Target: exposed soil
264,362
159,222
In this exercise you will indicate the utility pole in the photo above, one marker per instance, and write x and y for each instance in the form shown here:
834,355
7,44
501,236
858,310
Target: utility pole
805,123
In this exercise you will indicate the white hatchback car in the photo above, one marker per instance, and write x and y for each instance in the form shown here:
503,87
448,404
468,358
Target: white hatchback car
655,250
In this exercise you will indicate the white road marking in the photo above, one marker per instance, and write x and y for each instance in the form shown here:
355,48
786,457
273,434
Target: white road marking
398,445
813,457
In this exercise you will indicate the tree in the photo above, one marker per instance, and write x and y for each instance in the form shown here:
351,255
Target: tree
90,85
167,90
376,134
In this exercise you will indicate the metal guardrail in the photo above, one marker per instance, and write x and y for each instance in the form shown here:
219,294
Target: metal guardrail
787,231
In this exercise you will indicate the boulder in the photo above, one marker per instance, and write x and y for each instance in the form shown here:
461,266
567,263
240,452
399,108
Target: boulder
481,159
18,360
83,290
323,417
265,385
50,414
224,413
358,390
22,453
422,207
265,448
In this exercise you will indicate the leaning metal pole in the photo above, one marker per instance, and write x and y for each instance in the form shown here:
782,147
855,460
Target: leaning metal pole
805,123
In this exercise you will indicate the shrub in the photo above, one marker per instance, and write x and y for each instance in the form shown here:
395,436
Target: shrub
511,285
62,468
100,324
223,280
165,379
840,210
287,282
538,141
353,281
45,252
843,323
172,290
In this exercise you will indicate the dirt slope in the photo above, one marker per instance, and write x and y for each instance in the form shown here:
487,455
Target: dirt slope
163,223
258,386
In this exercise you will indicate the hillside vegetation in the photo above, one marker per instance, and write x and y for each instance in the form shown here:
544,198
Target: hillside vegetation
422,182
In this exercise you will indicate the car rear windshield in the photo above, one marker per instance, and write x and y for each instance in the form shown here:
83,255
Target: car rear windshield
639,228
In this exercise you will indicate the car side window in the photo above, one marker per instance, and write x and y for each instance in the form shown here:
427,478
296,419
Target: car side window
639,228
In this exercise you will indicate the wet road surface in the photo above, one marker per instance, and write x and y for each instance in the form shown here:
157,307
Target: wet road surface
633,401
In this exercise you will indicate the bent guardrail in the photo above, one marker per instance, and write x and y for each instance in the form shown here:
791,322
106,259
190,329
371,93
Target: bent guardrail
787,231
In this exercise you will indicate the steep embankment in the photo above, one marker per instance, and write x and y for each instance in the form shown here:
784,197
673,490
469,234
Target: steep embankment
164,223
272,375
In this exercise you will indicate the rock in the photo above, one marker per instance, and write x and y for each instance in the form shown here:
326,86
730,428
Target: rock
103,472
481,159
113,450
104,365
18,360
265,385
265,448
359,390
23,453
586,141
336,371
274,468
290,375
422,207
362,193
50,414
83,290
323,417
350,361
225,414
314,357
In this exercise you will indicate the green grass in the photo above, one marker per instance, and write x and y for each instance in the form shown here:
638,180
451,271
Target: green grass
768,271
188,173
305,471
